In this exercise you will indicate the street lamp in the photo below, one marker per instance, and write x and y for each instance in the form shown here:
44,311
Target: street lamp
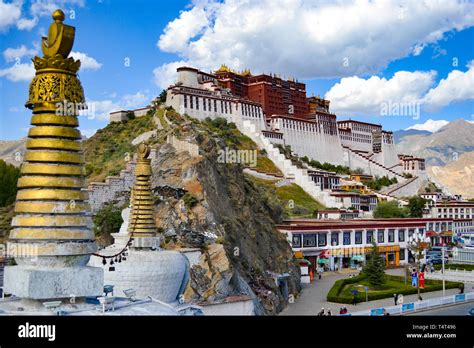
417,244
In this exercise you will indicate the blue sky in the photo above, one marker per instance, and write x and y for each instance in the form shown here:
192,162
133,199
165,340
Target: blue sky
363,56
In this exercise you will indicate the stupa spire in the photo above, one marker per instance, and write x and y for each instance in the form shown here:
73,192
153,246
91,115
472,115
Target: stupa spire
142,222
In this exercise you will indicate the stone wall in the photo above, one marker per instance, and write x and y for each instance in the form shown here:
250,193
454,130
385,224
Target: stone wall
112,189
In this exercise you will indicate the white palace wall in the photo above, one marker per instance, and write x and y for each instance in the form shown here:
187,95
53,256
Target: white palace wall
231,109
308,139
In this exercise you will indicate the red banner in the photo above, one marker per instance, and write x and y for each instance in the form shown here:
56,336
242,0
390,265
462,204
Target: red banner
421,280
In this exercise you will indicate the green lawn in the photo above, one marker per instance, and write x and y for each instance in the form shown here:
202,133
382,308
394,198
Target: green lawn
341,292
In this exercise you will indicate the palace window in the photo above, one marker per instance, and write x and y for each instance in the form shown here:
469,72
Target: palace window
191,99
215,105
346,238
358,237
296,241
222,106
402,254
322,239
369,237
391,236
309,240
334,238
204,104
209,104
380,236
410,232
185,101
401,235
197,103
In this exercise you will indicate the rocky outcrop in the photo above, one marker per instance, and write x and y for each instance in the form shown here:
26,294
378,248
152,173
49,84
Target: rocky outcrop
226,216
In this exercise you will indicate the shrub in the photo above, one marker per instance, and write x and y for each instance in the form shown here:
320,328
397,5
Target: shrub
9,175
189,200
374,268
334,294
107,220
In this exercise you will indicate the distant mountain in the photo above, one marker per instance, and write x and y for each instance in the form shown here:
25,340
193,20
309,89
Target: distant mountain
442,147
400,134
457,176
9,150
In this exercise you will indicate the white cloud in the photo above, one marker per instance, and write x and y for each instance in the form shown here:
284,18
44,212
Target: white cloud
165,74
457,86
308,39
27,24
87,63
430,125
135,100
100,109
177,33
355,95
11,54
9,14
19,72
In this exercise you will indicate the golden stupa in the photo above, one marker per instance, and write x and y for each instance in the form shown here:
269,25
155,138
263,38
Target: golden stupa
142,222
51,208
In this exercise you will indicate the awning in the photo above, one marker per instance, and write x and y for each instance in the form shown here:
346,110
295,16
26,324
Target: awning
326,253
446,233
357,258
305,262
323,261
430,233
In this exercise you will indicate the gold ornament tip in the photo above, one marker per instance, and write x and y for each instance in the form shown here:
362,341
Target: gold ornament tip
58,15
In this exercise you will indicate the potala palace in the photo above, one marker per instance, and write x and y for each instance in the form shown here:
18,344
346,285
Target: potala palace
271,110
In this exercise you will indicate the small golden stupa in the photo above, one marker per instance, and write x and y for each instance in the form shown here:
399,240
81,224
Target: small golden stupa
142,222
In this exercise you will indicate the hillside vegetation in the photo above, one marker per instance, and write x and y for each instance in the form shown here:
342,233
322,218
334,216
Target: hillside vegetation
293,200
110,148
9,175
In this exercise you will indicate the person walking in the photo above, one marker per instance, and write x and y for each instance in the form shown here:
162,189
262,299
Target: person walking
321,312
395,299
329,313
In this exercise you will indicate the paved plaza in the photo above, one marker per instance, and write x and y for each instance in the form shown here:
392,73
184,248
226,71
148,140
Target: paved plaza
313,296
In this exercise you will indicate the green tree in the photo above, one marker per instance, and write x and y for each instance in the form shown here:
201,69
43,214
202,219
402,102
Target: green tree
107,220
9,175
163,96
390,210
416,204
374,267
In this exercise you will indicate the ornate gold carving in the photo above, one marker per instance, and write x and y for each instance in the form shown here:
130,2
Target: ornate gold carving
54,88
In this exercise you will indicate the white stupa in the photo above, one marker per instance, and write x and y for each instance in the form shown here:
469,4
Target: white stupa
146,268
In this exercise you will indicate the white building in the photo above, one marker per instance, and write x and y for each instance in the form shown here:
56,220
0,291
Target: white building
345,243
199,95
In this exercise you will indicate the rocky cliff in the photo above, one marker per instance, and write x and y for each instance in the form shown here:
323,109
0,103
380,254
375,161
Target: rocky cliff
229,218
